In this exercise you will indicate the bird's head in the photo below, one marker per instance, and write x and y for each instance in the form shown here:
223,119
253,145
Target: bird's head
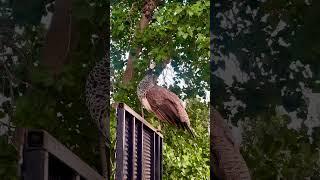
151,68
149,80
150,74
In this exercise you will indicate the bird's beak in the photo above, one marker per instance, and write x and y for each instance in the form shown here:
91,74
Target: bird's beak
149,72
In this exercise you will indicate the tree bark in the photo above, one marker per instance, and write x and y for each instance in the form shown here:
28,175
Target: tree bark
147,13
61,37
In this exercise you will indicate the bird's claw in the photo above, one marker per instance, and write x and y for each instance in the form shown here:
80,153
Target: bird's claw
158,129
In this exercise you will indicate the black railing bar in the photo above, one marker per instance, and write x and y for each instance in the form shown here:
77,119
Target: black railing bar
153,155
133,141
139,150
142,152
131,111
60,151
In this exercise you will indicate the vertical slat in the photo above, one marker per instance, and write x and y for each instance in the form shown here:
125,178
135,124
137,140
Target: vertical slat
157,159
146,143
130,148
120,141
139,150
153,155
46,165
76,177
133,135
126,152
161,168
140,153
36,165
123,142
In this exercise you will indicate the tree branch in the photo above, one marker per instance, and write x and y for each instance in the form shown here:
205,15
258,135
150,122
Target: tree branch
147,13
58,39
14,78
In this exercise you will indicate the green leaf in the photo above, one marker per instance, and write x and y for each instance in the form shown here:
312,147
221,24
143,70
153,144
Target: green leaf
2,114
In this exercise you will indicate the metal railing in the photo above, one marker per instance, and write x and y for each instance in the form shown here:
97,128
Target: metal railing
45,158
138,148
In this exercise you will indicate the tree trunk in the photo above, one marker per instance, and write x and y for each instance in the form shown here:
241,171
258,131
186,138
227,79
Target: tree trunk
147,13
61,37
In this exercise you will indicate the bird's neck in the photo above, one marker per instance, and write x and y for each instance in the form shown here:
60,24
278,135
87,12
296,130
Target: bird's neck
144,87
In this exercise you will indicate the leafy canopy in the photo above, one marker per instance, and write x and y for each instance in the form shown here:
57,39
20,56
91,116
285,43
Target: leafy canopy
179,31
273,47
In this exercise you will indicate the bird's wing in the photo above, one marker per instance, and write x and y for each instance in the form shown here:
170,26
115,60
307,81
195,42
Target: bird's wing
167,106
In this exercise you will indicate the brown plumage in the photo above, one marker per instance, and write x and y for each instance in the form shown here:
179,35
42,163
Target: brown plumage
228,161
164,104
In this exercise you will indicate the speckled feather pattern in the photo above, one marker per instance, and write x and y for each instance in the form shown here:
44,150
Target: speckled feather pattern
97,91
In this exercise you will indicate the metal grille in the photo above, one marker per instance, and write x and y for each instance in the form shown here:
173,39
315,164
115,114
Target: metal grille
58,170
139,147
126,151
147,153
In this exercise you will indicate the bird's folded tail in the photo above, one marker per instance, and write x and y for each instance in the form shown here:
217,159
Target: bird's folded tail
191,131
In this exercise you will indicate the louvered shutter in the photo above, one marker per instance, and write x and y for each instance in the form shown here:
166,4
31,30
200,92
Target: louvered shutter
148,153
139,147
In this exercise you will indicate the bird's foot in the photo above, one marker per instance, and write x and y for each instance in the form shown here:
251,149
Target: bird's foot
142,113
159,128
